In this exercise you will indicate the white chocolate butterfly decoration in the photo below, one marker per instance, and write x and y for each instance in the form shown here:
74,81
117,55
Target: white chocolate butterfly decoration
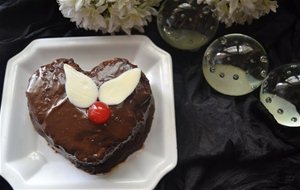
83,92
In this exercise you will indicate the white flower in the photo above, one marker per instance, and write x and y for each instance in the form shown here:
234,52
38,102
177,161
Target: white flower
109,15
240,11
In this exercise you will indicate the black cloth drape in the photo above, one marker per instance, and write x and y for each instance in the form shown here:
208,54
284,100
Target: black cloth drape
223,142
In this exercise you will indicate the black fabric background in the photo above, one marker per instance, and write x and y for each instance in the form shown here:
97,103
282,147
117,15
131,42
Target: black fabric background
223,142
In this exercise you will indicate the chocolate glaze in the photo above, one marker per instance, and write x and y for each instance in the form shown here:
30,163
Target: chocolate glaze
93,148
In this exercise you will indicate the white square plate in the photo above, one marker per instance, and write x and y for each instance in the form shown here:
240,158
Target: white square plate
27,162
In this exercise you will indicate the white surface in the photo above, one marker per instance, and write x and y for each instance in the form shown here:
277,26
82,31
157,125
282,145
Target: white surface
116,90
81,90
27,162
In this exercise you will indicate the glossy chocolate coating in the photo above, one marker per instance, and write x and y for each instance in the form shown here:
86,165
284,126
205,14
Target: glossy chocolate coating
91,147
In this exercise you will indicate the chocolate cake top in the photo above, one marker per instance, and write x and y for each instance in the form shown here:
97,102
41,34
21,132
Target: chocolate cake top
67,127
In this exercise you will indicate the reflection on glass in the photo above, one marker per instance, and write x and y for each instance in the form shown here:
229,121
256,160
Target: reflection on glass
280,94
239,49
185,24
239,64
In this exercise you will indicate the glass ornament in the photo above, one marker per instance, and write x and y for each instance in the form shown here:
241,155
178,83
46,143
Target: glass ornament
280,94
235,64
185,24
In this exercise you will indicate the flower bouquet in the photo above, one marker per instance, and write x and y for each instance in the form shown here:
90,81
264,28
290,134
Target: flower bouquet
109,16
240,11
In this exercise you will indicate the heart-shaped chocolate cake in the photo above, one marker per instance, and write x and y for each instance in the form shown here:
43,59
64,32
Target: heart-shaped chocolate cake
68,128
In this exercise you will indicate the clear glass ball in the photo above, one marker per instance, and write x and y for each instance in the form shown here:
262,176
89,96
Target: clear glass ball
185,24
280,94
235,64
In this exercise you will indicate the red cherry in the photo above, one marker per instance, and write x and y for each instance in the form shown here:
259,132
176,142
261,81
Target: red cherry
98,113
